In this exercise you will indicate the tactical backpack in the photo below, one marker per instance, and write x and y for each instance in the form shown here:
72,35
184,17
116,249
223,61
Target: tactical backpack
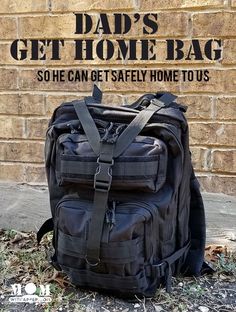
127,213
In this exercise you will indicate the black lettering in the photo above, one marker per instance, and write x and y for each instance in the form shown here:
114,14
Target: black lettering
206,75
70,75
171,49
103,25
195,46
199,75
15,50
55,48
40,75
109,49
87,47
37,48
84,23
148,49
46,75
122,24
164,75
150,20
209,49
127,50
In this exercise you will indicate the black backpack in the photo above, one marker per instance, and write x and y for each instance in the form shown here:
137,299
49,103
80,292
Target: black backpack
127,213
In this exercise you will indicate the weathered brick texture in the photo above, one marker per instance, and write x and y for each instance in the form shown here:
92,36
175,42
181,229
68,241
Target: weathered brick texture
8,27
22,6
22,104
11,127
36,128
221,81
176,4
27,104
225,108
215,183
224,160
21,151
218,24
213,134
229,51
8,79
90,5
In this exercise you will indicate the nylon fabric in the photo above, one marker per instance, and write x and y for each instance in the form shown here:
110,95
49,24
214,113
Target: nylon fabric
127,212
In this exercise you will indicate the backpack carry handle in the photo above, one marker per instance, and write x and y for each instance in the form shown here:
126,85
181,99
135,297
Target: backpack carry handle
96,96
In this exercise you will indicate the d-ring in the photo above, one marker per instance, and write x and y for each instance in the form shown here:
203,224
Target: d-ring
91,263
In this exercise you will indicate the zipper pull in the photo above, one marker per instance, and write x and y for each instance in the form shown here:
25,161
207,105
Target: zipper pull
72,129
107,132
113,214
108,216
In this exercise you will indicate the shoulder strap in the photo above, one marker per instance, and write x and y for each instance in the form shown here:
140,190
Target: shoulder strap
197,226
139,122
88,125
86,120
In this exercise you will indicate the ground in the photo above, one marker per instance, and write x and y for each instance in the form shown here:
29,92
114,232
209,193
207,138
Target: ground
24,208
23,262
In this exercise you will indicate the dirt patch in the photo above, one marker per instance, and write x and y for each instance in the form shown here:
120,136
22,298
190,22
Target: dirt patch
23,262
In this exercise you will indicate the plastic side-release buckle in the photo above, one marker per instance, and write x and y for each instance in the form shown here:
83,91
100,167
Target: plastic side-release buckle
103,175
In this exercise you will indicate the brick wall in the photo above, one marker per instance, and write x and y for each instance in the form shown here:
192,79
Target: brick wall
26,104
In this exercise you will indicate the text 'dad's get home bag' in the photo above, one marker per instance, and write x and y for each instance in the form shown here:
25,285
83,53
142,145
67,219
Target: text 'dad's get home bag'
127,213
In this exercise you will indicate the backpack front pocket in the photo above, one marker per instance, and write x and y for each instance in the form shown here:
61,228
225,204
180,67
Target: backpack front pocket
142,166
126,246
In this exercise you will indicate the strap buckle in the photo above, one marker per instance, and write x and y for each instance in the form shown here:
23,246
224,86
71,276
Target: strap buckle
160,269
103,177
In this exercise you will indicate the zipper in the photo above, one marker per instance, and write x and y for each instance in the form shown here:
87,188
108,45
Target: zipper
159,117
69,139
123,108
110,216
142,205
139,205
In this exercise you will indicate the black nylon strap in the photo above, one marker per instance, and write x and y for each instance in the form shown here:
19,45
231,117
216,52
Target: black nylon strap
44,229
88,125
112,252
124,169
139,122
102,183
107,281
164,268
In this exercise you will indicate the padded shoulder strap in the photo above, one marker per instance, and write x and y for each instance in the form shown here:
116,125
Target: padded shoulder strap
139,122
197,225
